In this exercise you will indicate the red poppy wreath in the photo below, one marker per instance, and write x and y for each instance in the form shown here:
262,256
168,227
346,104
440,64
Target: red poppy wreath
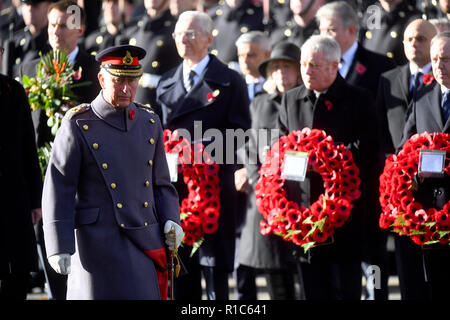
307,227
199,211
401,212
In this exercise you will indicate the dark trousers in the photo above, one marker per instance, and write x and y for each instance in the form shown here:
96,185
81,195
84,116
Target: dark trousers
246,283
188,286
281,284
14,286
437,270
410,269
330,281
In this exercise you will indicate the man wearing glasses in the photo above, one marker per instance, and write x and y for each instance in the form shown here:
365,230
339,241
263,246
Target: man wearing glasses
203,89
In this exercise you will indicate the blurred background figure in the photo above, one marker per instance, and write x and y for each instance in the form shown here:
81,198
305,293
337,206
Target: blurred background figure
26,43
10,18
153,33
302,24
232,19
383,25
116,16
176,7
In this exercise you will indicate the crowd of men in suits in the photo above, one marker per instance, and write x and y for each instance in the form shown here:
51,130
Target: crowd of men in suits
275,63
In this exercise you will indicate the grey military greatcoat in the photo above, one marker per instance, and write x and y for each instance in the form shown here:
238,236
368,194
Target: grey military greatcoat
107,195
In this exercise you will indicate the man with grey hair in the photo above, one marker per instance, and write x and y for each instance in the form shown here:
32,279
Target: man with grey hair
203,89
360,67
331,270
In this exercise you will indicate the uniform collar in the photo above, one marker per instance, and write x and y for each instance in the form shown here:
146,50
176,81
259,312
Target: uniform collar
122,119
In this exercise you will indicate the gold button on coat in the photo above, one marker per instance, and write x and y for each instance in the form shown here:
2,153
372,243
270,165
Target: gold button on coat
145,204
113,185
85,127
105,166
152,141
95,146
119,205
150,162
152,120
147,183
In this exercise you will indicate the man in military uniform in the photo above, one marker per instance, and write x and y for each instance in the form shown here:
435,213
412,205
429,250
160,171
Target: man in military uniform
28,42
233,18
383,26
154,34
116,18
301,26
10,19
107,196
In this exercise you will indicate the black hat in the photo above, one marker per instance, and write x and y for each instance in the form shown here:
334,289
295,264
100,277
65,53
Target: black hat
122,61
281,51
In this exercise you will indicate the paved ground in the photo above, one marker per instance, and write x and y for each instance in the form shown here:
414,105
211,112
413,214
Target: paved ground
394,291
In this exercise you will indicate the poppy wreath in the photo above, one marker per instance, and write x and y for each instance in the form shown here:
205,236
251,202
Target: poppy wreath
199,211
400,211
307,227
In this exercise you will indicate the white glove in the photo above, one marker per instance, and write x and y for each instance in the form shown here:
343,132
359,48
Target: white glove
170,239
60,263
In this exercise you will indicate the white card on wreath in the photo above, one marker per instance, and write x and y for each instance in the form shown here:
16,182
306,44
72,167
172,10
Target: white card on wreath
295,165
172,162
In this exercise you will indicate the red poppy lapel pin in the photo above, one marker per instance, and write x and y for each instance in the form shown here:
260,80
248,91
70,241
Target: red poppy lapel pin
328,104
428,79
360,68
77,74
131,114
211,95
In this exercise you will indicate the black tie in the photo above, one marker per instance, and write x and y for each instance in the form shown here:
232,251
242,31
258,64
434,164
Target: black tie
446,106
190,82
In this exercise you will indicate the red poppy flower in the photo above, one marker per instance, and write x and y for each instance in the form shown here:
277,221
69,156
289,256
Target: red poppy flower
77,75
328,104
360,68
427,79
131,114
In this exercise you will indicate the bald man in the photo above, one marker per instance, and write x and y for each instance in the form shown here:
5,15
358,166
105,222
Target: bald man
398,89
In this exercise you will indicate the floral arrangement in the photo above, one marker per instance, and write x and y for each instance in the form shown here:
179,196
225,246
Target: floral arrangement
199,211
400,211
307,227
51,90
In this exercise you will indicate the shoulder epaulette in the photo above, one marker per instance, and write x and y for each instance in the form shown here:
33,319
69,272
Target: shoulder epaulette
77,110
145,107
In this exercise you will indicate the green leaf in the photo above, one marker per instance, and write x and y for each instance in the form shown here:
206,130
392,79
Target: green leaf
308,246
26,81
196,245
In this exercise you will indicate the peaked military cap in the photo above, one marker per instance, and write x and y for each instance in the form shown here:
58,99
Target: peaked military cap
122,61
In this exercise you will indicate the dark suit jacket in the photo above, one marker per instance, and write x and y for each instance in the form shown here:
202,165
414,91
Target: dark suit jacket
366,69
426,114
228,110
350,122
20,180
86,94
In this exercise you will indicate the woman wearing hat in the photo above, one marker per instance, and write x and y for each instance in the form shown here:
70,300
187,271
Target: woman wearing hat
269,253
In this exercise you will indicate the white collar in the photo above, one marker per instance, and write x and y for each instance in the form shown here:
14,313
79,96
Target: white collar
198,68
71,56
249,79
425,69
350,53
